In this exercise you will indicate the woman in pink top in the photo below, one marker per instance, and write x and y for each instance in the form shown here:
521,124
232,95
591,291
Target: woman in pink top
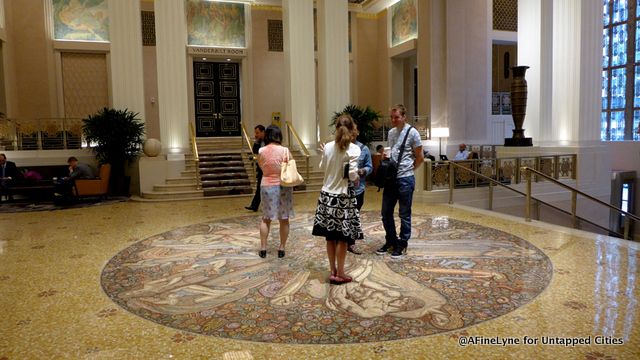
277,200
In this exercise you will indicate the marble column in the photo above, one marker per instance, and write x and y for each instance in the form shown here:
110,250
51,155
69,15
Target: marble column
577,72
431,64
333,61
563,39
535,28
299,79
127,84
56,100
171,41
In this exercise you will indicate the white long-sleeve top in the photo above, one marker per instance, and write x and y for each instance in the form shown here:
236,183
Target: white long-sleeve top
332,164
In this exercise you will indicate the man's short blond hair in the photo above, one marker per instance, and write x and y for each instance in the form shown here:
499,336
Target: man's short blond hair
400,108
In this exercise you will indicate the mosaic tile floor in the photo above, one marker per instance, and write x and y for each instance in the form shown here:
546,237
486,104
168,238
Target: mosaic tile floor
502,287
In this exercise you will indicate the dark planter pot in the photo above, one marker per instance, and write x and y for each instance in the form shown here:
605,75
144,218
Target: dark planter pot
120,186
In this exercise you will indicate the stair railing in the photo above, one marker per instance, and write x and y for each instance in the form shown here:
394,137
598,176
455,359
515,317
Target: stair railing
574,200
246,140
196,159
305,152
529,198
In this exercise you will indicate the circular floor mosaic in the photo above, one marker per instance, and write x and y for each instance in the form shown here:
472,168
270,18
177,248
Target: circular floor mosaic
207,278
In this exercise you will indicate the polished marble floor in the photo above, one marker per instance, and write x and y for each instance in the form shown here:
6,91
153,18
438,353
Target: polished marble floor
142,280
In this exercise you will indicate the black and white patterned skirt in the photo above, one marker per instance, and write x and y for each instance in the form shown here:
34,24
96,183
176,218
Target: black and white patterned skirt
337,217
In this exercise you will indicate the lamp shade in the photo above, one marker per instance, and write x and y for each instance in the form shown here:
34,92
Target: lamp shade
440,132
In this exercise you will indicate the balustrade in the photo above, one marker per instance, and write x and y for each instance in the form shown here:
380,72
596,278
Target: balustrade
40,133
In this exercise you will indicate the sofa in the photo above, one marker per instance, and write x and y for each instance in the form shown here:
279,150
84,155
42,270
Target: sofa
94,187
39,186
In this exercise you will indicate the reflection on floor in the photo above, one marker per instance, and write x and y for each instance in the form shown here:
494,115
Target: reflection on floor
83,283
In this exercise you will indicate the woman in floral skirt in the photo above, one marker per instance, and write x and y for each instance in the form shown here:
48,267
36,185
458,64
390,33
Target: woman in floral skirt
277,201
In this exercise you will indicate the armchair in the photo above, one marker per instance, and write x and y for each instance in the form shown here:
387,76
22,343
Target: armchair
94,187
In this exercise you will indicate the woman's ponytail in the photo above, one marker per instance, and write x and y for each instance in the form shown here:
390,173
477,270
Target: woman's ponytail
344,131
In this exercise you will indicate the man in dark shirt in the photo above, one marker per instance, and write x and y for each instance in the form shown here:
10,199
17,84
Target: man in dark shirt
259,142
8,175
64,186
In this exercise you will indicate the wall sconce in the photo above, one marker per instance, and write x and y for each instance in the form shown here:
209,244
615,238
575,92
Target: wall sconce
441,132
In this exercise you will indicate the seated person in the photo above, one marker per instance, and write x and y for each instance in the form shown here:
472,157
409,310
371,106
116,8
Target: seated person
463,154
380,150
427,155
77,170
8,175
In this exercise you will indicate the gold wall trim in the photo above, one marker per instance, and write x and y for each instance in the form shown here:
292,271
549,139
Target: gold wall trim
369,16
266,7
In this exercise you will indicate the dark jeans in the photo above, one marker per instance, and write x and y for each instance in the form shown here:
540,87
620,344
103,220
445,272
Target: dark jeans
64,187
401,193
360,200
255,203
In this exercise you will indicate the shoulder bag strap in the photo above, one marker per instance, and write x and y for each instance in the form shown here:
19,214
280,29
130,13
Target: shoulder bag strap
404,142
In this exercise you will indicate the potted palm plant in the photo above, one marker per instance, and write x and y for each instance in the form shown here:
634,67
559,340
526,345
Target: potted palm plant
366,118
115,137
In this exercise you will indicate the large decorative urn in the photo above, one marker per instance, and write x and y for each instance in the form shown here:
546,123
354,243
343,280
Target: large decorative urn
518,107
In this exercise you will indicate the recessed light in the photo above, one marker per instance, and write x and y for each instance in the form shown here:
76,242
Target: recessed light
228,59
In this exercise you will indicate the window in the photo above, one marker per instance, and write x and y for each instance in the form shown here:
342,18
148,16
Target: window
620,117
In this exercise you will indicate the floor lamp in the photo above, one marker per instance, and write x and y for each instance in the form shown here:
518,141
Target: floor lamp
441,132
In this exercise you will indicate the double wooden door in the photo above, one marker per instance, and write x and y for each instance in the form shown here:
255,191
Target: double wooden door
217,98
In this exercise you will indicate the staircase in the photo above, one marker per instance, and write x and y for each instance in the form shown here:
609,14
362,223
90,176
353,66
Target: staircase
225,168
178,188
224,174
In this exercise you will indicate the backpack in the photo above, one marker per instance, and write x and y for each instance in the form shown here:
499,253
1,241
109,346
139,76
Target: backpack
386,173
388,170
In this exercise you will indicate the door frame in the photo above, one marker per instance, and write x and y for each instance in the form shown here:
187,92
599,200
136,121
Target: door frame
246,105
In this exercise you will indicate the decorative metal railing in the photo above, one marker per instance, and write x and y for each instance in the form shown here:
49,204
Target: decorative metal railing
422,123
41,133
504,170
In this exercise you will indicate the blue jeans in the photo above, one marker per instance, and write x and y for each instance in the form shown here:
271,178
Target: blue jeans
401,193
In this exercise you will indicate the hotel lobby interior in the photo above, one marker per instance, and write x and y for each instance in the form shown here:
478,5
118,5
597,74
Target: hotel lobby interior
173,271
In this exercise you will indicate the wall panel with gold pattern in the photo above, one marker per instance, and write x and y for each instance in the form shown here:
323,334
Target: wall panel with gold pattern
85,83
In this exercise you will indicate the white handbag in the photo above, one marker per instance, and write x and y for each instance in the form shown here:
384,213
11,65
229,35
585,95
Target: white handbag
289,176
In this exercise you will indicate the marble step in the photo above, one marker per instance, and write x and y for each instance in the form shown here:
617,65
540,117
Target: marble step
228,190
206,184
223,176
174,187
221,164
222,170
173,195
181,180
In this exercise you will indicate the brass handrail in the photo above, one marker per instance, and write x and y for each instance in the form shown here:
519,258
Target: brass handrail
527,196
574,193
305,152
196,158
245,138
